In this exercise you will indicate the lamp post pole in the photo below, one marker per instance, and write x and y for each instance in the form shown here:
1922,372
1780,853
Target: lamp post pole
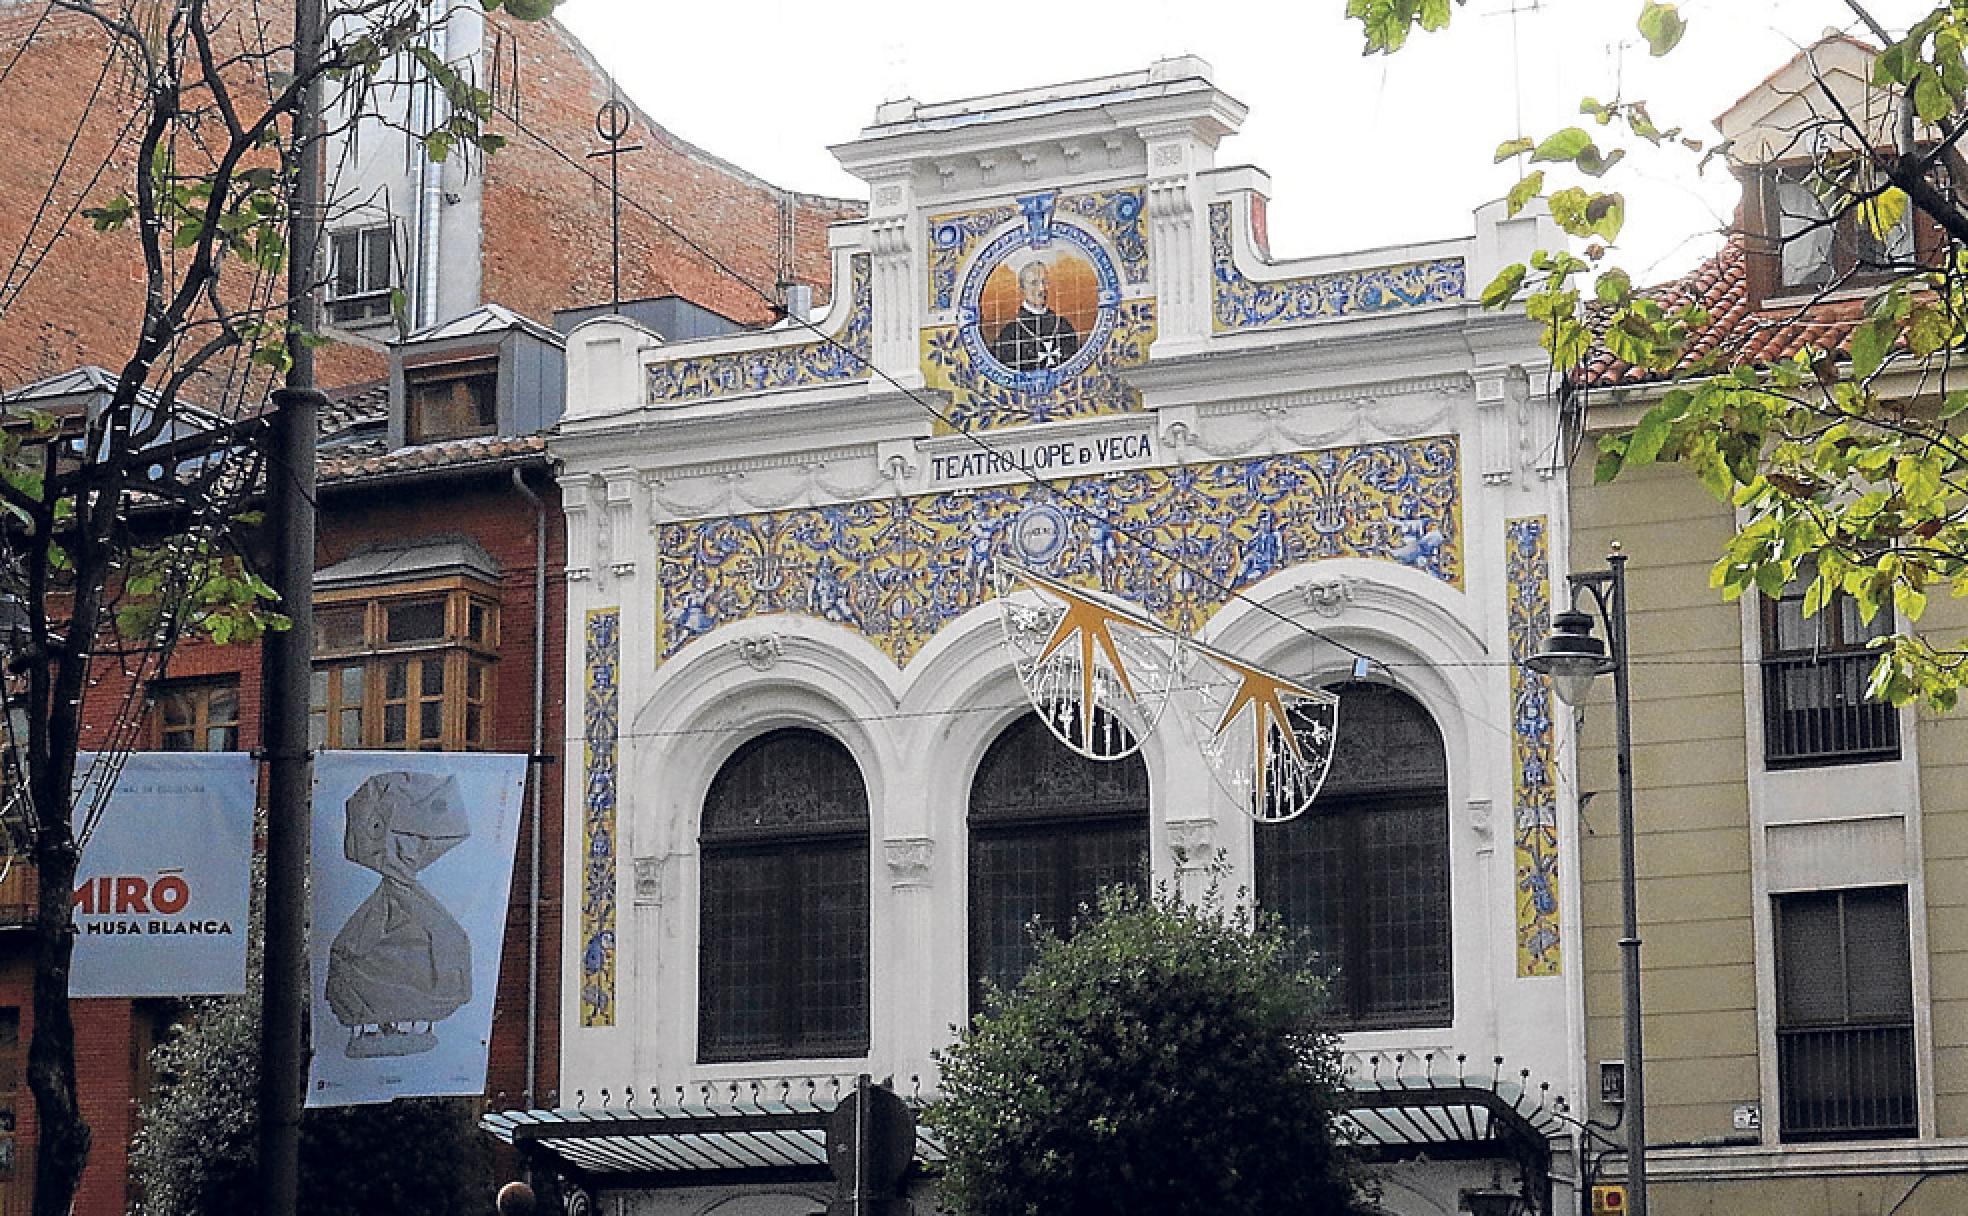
1613,608
1572,657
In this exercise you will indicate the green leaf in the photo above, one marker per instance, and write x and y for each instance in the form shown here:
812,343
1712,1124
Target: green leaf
1645,443
1504,287
1526,189
1591,163
1513,147
1871,342
1606,215
1884,212
1564,145
1662,26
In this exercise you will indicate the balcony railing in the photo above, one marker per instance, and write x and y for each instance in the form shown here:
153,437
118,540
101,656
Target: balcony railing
1847,1082
1815,712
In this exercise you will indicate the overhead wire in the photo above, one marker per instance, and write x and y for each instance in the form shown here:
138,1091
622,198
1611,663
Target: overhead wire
965,428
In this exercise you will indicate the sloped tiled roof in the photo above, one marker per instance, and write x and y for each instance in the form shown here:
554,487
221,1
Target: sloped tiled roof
363,462
1735,333
354,405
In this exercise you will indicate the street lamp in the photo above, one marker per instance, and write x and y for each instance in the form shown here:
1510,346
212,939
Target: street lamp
1572,657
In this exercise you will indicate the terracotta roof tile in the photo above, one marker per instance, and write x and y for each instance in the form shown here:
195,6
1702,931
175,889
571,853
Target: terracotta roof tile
365,462
1735,332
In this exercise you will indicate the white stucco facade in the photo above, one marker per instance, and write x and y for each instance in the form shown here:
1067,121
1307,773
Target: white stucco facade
764,532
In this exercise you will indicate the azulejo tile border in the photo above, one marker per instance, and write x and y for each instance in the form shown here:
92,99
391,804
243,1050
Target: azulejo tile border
951,239
1534,803
601,719
1241,303
1175,541
840,356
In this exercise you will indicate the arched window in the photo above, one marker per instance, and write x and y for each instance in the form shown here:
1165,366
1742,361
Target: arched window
1048,829
783,923
1362,878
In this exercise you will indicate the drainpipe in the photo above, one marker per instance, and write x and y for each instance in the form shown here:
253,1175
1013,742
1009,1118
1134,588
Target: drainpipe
537,764
430,180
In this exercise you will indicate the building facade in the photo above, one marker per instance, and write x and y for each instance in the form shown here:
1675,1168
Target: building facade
813,811
435,411
1798,847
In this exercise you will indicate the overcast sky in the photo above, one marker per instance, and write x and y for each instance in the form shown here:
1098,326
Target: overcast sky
1362,152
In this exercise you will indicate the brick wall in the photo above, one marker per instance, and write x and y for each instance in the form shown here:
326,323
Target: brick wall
84,301
547,221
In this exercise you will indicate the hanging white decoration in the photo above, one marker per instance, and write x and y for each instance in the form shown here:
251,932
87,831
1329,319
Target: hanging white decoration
1268,739
1097,670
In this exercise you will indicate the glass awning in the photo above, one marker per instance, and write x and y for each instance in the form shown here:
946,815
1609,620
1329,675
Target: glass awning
1399,1117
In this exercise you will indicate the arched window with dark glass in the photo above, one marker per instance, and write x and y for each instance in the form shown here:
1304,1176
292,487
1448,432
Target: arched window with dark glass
783,914
1362,878
1048,829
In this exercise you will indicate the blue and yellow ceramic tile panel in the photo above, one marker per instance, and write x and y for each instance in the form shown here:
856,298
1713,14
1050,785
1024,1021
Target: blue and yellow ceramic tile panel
841,356
1534,809
1175,541
1041,303
1239,303
601,717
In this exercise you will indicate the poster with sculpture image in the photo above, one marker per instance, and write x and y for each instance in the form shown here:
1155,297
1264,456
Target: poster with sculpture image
413,857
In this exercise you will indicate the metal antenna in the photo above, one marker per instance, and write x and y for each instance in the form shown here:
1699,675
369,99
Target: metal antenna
612,123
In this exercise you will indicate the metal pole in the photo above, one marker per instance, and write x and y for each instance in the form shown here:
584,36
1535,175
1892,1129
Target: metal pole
1636,1070
287,662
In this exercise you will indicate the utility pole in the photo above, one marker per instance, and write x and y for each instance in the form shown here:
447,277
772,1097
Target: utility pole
287,659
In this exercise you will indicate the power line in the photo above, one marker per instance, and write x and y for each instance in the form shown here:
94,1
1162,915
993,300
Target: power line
967,430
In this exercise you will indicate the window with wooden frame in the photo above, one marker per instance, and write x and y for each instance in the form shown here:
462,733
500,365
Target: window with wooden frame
1362,879
1823,239
195,716
411,669
452,400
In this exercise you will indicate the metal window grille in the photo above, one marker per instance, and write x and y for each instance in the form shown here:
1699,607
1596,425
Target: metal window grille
1048,830
783,922
1845,1060
1362,879
1815,670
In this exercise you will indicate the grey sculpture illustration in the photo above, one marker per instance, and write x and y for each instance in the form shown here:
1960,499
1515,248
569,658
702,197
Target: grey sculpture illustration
401,964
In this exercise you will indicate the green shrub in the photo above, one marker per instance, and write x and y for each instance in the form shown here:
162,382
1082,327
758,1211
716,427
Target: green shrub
194,1151
1161,1059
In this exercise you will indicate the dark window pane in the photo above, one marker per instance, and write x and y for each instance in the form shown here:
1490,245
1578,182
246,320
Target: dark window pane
785,781
422,621
430,720
431,681
1049,829
376,262
395,724
1362,878
396,681
338,629
1845,1066
783,935
832,946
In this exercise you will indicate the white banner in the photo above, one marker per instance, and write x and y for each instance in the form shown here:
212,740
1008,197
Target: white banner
163,886
413,856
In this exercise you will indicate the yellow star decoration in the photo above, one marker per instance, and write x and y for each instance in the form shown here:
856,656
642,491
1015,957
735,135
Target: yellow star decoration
1263,693
1090,621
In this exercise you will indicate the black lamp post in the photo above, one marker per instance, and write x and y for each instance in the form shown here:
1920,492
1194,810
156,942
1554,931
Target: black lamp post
1573,658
